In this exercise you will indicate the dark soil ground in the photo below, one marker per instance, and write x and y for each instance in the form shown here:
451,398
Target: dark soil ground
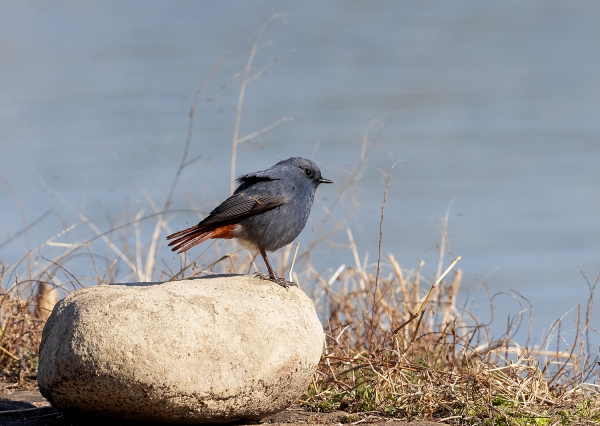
23,405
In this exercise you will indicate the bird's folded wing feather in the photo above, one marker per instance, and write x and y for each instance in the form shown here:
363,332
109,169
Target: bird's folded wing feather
239,205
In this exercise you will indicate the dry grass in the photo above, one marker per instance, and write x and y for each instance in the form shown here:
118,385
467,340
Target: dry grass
445,367
20,329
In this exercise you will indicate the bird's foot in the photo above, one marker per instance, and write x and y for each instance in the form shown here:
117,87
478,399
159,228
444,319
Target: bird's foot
281,281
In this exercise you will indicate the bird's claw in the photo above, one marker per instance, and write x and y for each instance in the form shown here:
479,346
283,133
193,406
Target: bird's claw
281,281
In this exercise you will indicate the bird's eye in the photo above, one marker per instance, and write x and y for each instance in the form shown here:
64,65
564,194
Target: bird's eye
308,172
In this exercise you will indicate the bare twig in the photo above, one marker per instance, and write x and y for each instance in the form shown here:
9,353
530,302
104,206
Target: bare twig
246,78
378,270
188,140
293,262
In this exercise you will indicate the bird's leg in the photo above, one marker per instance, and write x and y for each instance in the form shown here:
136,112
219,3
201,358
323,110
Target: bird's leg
281,281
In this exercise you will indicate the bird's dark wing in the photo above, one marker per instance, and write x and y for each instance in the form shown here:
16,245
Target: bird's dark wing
239,205
250,179
220,222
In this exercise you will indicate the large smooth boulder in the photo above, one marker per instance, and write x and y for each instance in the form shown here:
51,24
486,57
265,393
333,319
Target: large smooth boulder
214,349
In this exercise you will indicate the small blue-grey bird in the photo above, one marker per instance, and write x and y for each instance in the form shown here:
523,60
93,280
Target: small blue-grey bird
267,211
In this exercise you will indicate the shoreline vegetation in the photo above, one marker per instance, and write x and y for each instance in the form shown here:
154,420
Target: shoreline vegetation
397,346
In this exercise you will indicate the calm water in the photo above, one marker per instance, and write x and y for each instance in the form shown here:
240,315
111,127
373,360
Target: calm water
492,108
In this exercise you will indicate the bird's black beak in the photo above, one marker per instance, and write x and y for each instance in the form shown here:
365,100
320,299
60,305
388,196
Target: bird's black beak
323,180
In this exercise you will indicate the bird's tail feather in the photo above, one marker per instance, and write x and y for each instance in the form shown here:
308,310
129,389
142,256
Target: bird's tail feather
188,238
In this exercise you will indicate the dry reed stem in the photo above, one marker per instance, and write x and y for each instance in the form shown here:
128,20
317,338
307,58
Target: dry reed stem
45,300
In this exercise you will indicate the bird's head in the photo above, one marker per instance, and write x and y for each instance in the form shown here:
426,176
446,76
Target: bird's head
308,169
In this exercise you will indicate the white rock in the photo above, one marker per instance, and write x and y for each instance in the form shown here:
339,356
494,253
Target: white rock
205,350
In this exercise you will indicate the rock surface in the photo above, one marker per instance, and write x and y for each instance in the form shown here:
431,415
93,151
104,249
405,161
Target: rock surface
213,349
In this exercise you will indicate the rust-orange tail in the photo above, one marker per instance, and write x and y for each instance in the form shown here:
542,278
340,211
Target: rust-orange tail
188,238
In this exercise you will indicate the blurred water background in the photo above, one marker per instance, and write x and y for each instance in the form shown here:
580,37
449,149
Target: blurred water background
491,107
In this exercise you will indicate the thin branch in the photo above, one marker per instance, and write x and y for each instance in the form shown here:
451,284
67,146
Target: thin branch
25,230
378,270
245,81
265,129
190,129
15,197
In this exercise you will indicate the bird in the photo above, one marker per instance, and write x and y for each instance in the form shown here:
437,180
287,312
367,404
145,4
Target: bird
267,211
